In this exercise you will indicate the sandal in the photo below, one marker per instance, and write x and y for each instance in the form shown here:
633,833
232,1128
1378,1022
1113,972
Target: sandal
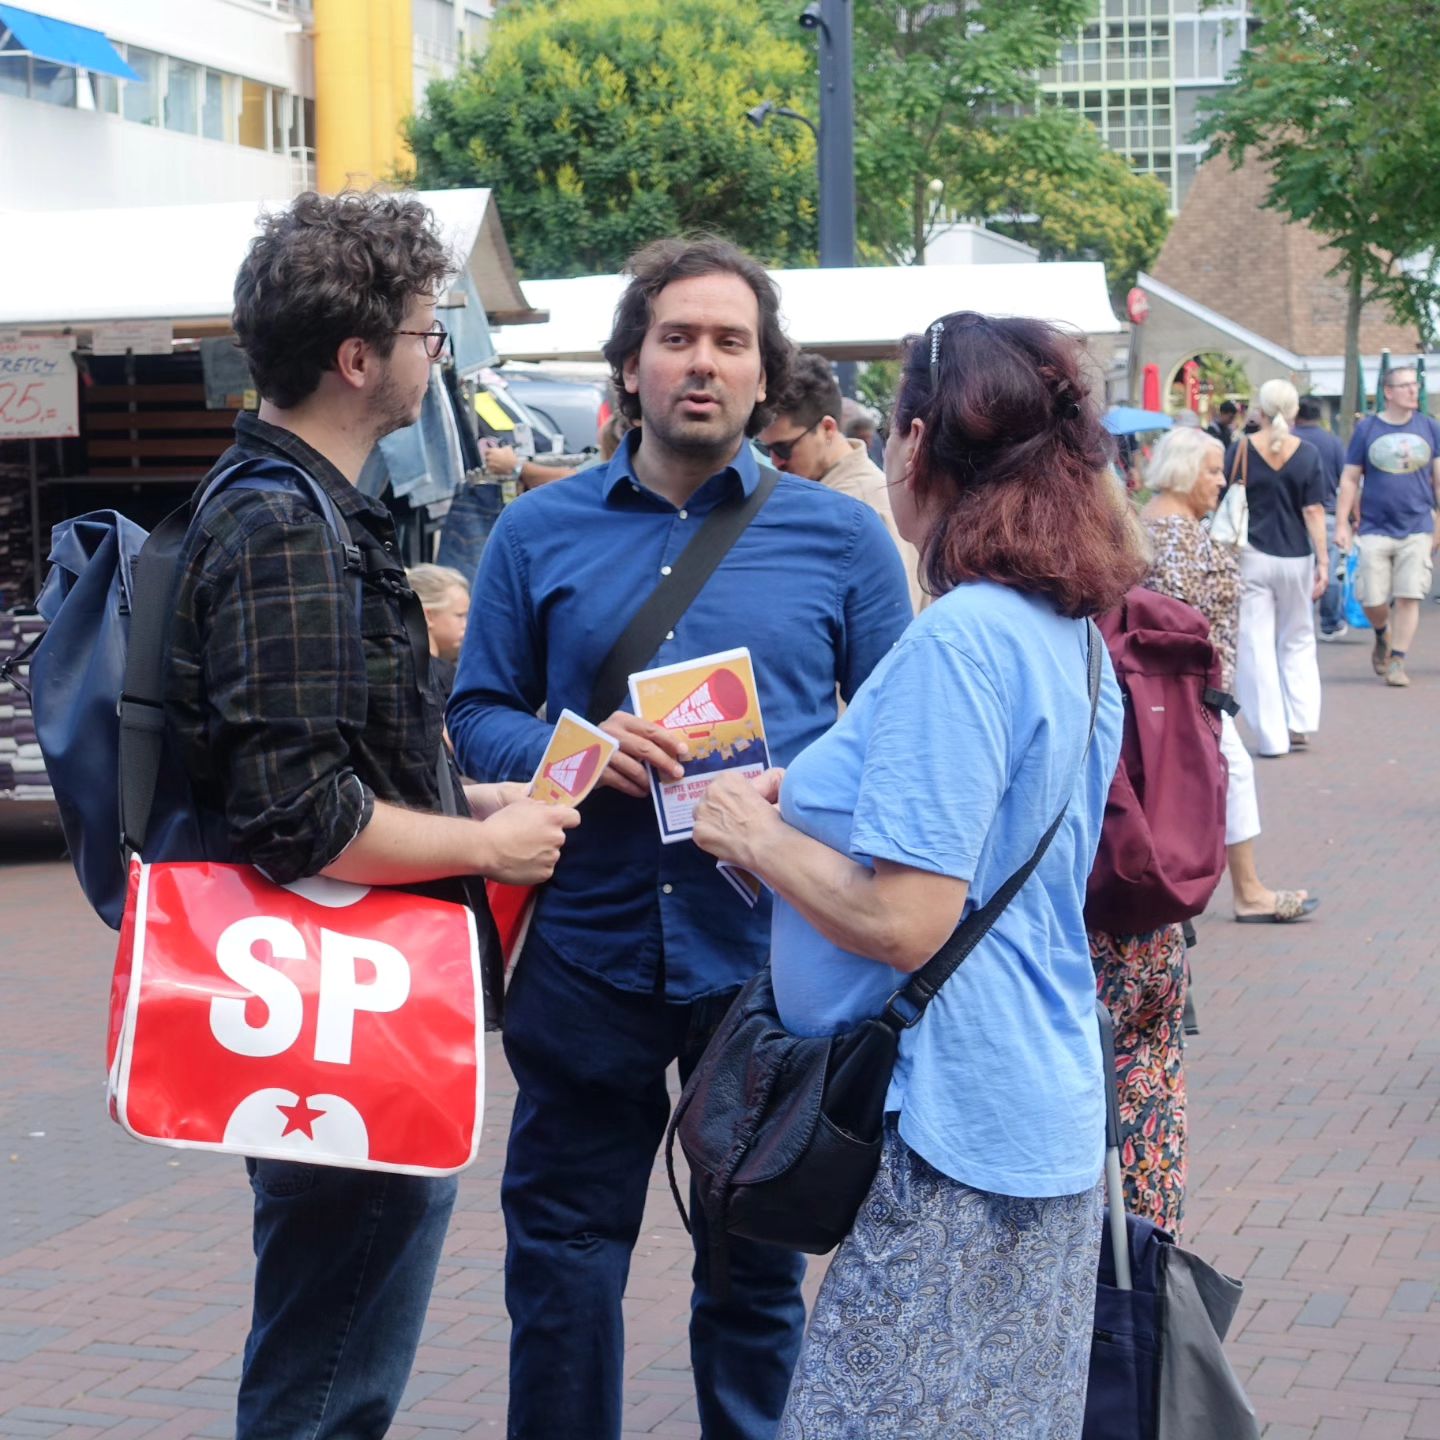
1290,906
1298,741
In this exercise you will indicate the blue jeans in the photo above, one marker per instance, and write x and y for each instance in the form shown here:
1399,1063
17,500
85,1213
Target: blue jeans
344,1262
473,513
1332,601
589,1063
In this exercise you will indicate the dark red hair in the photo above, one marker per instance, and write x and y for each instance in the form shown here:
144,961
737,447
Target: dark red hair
1014,465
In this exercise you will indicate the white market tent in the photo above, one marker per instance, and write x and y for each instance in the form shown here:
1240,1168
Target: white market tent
70,269
858,314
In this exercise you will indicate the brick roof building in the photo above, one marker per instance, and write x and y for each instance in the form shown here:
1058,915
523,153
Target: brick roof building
1258,269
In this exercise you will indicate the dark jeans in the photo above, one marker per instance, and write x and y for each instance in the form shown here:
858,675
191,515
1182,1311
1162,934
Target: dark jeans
589,1063
1332,599
344,1262
473,513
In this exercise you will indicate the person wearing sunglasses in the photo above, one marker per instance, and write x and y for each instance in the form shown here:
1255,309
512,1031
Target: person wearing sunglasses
805,439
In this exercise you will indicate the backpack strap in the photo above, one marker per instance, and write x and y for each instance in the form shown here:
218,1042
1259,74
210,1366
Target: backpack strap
141,706
907,1005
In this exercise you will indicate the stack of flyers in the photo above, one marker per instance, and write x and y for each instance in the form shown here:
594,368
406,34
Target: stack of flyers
714,704
573,761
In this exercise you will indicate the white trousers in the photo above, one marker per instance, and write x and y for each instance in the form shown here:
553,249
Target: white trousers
1242,804
1277,673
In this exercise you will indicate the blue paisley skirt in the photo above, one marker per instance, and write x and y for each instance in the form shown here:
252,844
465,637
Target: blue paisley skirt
951,1314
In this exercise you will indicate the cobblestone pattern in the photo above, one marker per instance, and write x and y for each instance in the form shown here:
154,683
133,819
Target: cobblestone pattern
1315,1162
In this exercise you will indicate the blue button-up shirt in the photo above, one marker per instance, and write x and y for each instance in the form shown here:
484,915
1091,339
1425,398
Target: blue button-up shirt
814,587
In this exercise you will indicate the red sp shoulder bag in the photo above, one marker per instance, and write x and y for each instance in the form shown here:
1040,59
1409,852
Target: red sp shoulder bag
322,1022
1162,844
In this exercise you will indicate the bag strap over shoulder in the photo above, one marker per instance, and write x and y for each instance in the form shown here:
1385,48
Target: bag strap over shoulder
672,597
141,705
907,1005
1241,463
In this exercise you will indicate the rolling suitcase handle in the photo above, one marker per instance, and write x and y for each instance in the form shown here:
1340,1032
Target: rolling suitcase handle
1114,1185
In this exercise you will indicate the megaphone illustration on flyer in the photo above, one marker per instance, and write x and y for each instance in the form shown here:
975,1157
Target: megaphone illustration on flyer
573,773
721,696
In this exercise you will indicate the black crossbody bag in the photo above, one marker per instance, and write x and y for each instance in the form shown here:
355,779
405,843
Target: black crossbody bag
782,1132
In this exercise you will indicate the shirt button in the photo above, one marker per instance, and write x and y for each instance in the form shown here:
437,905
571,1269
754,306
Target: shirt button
634,487
666,889
669,634
684,514
664,569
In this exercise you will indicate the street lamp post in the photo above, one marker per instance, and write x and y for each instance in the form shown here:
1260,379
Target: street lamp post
833,20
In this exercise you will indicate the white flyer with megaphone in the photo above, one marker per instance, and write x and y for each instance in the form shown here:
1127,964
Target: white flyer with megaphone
714,704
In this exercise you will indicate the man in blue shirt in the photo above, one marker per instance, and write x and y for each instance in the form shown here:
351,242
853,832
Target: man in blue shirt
1332,462
1397,453
637,948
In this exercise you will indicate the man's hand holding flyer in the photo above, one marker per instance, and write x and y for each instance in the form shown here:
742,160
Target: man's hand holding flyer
714,704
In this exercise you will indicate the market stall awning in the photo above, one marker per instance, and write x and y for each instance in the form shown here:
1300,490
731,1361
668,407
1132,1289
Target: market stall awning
858,314
178,262
63,43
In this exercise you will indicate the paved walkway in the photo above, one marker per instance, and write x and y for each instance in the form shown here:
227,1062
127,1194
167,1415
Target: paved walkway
1315,1159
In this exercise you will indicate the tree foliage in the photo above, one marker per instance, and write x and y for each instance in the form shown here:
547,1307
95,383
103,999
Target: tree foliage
1340,103
602,124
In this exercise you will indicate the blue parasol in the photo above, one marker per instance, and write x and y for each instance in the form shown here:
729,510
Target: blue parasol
1127,420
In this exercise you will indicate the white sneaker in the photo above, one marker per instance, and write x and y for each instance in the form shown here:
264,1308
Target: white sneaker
1339,633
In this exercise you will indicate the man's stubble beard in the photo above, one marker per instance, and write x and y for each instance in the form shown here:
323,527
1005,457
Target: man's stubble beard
389,410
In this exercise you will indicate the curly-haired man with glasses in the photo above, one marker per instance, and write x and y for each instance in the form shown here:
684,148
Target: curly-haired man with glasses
310,730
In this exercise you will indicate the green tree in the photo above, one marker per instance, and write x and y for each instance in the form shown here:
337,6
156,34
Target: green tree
950,125
602,124
1052,183
1339,101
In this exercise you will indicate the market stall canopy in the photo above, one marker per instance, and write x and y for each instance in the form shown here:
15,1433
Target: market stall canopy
62,43
68,269
859,314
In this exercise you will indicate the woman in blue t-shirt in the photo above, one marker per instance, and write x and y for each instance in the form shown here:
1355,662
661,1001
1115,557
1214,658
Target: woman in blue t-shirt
961,1303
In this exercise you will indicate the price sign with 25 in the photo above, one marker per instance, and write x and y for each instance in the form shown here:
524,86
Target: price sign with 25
37,389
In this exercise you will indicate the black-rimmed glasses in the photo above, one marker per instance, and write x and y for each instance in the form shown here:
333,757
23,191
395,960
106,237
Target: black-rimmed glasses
435,339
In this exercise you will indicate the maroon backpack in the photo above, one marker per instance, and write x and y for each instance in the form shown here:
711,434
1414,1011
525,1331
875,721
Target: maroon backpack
1162,846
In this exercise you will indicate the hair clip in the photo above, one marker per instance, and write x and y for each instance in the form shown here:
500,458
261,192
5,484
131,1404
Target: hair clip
936,331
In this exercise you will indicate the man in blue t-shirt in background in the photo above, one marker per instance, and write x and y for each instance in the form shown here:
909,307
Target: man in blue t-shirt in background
1332,462
1397,453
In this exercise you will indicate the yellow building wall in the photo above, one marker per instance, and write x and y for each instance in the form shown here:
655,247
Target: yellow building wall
363,51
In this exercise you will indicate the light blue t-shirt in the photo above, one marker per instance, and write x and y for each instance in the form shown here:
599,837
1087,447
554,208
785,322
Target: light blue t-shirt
955,756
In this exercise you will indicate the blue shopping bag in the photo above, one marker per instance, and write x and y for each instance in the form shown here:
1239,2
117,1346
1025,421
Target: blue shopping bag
1354,611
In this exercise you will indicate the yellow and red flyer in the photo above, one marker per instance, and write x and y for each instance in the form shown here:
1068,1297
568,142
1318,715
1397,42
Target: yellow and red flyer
574,759
714,704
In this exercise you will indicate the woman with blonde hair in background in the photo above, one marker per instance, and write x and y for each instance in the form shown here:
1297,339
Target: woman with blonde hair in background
1283,569
445,597
1186,475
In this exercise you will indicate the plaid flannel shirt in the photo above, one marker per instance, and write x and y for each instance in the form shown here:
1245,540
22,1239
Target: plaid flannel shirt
292,719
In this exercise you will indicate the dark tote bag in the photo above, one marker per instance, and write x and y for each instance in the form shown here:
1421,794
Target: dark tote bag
1157,1367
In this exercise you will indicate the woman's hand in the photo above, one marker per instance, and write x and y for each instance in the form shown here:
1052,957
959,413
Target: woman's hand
737,815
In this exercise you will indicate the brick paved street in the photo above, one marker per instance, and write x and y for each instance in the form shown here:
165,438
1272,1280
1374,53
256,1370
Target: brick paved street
1315,1152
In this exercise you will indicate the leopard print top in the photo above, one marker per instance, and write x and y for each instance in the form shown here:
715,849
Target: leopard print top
1190,567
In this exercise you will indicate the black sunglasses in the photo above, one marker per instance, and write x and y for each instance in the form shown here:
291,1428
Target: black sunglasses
782,449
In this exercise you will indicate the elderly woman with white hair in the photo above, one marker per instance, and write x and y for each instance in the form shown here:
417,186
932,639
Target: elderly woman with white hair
1283,569
1187,474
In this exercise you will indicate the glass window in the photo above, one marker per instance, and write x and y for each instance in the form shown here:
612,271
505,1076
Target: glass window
1207,50
1185,167
253,113
279,122
212,107
107,93
182,96
307,108
1232,43
1185,51
14,74
141,98
53,83
1090,55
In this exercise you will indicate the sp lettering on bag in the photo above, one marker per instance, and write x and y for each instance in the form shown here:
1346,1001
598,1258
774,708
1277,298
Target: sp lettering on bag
319,1022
